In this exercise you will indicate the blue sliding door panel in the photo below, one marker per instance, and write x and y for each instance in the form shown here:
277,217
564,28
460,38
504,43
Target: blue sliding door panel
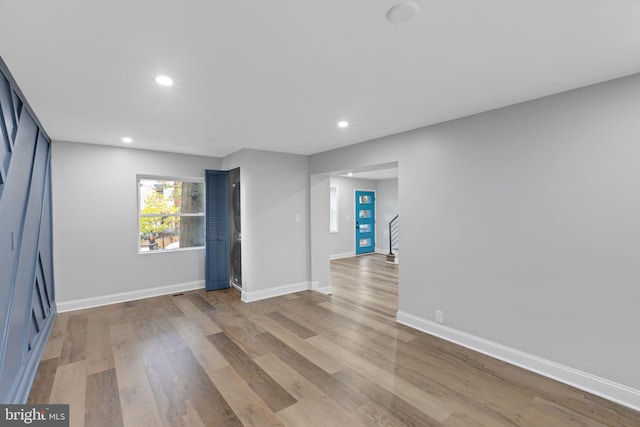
27,307
217,256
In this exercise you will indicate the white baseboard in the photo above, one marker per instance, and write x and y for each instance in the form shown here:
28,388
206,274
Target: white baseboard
274,292
80,304
604,388
383,251
315,286
343,255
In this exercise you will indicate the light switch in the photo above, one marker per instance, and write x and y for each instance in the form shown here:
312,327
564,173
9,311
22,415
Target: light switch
297,217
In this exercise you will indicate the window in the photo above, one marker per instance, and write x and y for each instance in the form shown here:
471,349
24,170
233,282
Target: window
170,214
333,209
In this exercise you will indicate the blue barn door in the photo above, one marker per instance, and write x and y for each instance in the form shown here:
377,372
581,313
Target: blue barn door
217,227
365,222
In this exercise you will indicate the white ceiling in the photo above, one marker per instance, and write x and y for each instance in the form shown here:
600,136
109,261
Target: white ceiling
279,75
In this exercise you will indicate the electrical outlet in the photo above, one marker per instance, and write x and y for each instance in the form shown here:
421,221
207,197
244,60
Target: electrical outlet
439,316
297,217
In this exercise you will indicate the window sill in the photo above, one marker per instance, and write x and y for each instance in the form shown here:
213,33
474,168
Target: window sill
165,251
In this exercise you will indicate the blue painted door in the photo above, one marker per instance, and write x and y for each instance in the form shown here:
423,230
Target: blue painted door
217,254
365,222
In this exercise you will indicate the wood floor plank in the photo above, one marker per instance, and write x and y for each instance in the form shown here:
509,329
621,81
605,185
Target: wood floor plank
99,351
601,410
320,358
476,410
192,418
391,330
129,366
304,359
271,393
43,382
102,404
350,399
373,415
458,387
210,359
313,407
139,319
433,406
169,337
74,346
291,325
167,388
542,412
204,322
234,324
136,398
249,408
138,406
462,420
56,339
209,403
405,412
69,387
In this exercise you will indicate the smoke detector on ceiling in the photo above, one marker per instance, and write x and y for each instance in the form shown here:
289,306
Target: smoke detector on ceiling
402,12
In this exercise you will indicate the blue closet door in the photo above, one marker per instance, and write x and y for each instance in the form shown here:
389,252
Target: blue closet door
217,223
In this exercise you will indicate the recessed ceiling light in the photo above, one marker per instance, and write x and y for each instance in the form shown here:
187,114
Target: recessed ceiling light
343,124
350,174
164,80
402,12
127,139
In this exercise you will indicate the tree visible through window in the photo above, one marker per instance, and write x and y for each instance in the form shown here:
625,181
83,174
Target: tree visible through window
171,214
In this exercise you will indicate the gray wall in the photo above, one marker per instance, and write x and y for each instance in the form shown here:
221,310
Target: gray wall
95,221
275,247
320,271
524,225
387,205
343,242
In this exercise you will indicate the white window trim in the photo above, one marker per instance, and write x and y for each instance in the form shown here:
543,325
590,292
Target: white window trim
139,215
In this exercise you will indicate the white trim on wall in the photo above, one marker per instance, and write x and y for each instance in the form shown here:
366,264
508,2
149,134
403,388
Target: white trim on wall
604,388
79,304
342,255
248,296
315,286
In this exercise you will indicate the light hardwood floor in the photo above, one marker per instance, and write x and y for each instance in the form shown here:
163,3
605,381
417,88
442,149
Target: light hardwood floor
304,359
